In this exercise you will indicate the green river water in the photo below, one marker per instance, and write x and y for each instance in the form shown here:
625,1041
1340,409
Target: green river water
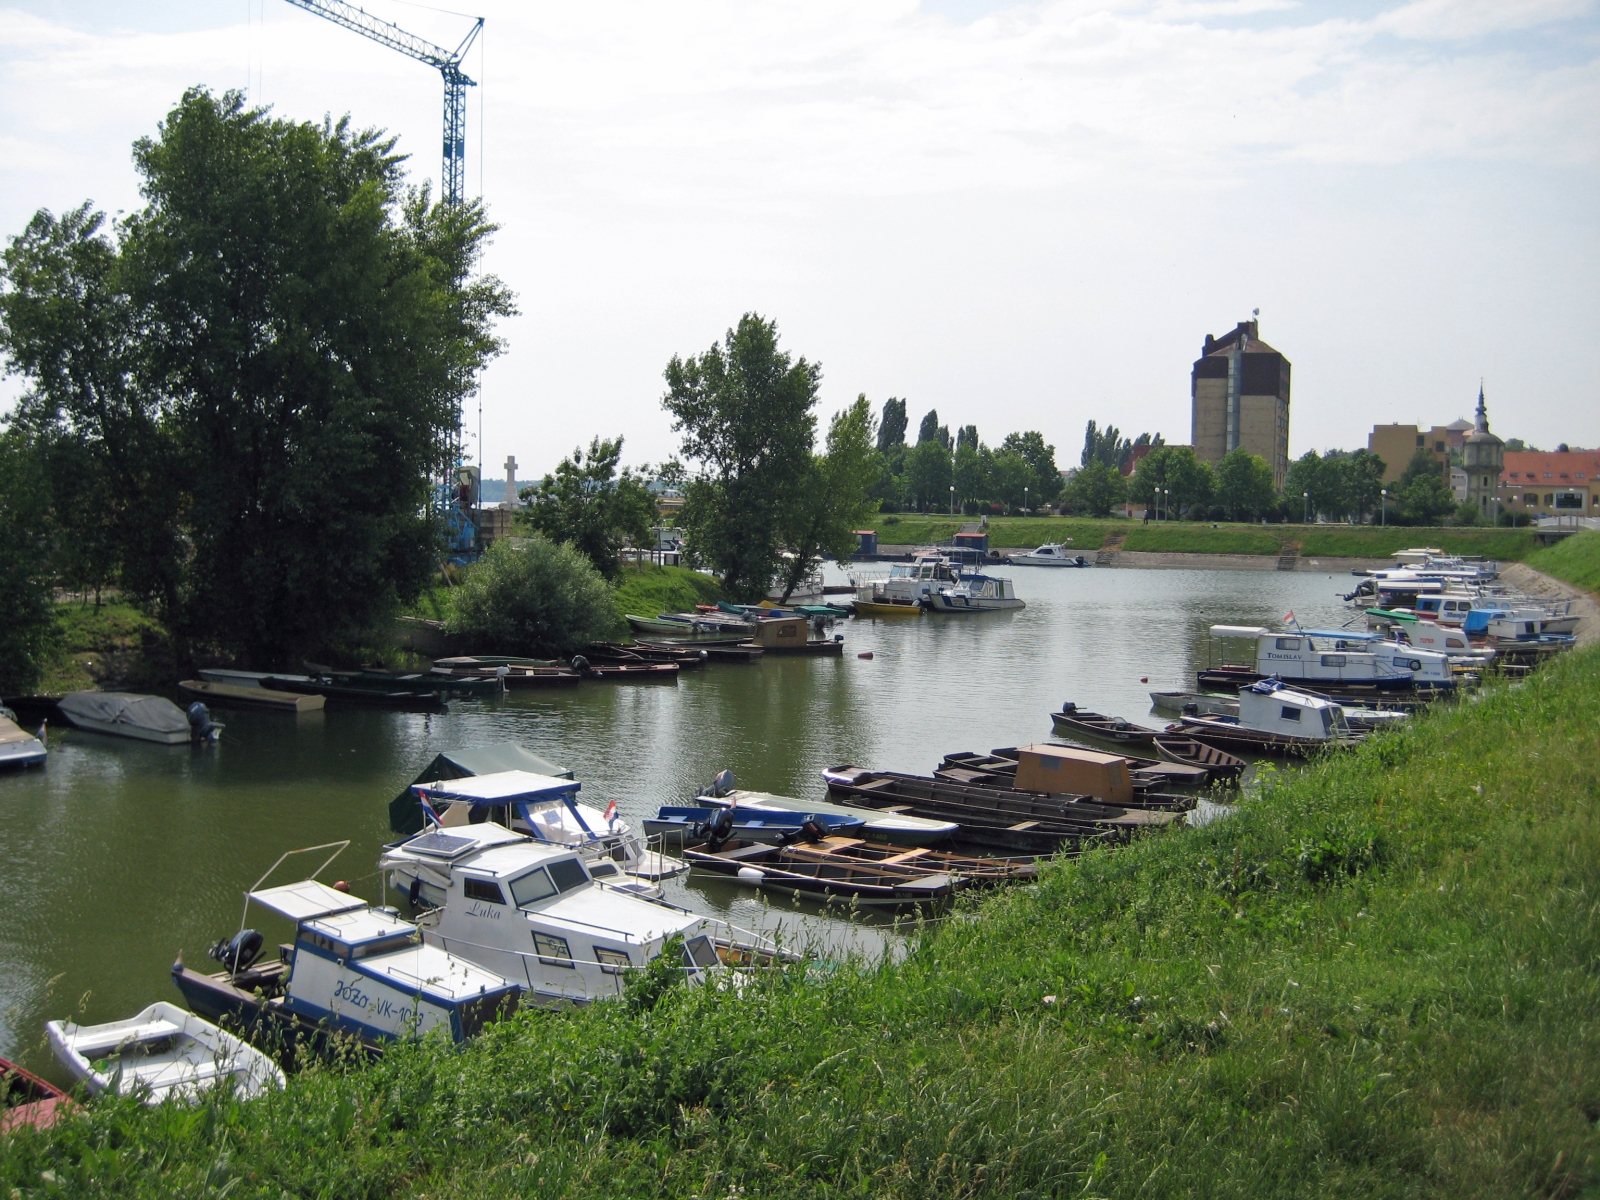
119,854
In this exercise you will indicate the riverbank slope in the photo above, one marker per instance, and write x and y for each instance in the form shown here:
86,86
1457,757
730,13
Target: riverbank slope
1378,979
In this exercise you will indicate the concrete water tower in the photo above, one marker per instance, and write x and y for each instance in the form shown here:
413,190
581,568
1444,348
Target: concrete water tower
1483,456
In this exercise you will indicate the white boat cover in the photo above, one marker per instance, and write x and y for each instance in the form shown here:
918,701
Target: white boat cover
503,786
155,713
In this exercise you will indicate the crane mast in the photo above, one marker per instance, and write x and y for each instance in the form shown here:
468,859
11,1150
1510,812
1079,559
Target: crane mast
446,62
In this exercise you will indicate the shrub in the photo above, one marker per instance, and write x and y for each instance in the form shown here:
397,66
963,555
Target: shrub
533,596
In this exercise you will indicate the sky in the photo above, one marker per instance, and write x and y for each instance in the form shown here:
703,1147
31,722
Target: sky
1023,215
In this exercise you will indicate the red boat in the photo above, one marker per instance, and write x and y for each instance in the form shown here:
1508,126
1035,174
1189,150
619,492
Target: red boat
29,1100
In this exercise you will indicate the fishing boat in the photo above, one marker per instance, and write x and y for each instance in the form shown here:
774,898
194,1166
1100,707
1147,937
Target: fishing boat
443,682
863,884
532,912
1204,702
967,869
1219,763
18,747
998,768
1097,725
976,593
686,657
162,1053
639,672
145,718
699,824
897,829
351,971
231,695
546,809
355,697
1273,719
1003,819
1051,554
715,651
877,605
692,626
28,1100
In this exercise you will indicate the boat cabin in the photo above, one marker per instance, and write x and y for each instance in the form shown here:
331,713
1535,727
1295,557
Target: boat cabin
1446,608
911,583
1050,767
1270,707
533,912
366,971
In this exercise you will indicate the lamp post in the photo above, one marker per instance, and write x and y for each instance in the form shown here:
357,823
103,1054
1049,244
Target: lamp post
1025,507
1383,508
1307,518
1166,503
952,499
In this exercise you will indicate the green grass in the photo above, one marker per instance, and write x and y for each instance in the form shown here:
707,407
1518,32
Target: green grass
1202,539
649,590
114,644
1007,532
1379,979
1351,541
1575,559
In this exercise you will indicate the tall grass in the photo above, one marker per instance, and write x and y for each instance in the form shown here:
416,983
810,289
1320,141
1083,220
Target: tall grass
1379,978
648,590
1575,559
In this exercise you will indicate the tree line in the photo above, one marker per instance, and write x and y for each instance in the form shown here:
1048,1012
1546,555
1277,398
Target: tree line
939,472
237,397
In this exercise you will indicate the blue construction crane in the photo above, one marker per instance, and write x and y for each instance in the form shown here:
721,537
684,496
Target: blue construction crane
448,64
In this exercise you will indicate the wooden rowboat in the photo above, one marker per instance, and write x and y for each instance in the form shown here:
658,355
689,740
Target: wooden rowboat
1098,725
29,1100
228,695
775,868
1221,764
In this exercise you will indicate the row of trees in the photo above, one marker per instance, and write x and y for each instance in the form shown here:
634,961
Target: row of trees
940,469
237,396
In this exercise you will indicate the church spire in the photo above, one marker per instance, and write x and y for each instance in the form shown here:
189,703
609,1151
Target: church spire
1481,423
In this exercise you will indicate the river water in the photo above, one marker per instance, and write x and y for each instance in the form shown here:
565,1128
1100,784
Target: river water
121,854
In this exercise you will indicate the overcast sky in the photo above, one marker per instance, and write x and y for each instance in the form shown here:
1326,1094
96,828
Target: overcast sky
1023,215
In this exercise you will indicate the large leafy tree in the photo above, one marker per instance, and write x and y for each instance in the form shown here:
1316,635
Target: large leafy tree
1244,485
1425,497
972,468
1315,483
1178,471
589,504
892,429
931,431
1096,489
928,474
836,498
28,631
744,408
1361,478
1040,456
268,360
1012,480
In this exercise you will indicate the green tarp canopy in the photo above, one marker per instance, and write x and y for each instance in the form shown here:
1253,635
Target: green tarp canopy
405,813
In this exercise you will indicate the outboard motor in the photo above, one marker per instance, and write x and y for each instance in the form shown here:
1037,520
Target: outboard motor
580,664
723,785
719,829
1191,709
200,724
238,952
813,829
1068,706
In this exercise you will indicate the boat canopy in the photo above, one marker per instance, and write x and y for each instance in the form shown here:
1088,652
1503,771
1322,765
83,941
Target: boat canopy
1344,635
1238,631
405,814
306,900
502,787
155,713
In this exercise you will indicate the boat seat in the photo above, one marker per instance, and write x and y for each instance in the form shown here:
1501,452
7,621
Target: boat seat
1023,825
907,856
875,785
149,1032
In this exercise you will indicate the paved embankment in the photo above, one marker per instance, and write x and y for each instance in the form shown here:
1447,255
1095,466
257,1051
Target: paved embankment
1236,562
1537,583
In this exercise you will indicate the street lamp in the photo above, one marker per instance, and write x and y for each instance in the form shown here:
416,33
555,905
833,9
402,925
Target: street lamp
952,499
1166,503
1025,507
1383,507
1307,518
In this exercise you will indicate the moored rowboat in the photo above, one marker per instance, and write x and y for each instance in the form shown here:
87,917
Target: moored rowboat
1098,725
229,695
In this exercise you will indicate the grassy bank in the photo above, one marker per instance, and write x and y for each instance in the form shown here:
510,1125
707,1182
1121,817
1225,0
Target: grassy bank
648,590
1575,559
1202,539
1352,541
115,645
1378,979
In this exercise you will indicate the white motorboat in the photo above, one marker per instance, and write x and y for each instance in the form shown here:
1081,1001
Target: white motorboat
147,718
915,581
163,1051
1051,554
546,808
351,970
976,593
18,747
1331,658
532,912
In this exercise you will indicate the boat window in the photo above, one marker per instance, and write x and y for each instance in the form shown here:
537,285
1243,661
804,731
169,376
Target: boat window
1288,643
1333,660
612,962
568,874
603,869
482,889
1289,713
553,951
387,945
532,887
700,952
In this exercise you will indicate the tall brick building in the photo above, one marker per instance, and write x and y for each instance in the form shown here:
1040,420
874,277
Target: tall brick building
1239,396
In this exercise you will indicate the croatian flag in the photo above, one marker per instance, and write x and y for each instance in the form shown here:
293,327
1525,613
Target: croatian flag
429,813
1290,619
611,813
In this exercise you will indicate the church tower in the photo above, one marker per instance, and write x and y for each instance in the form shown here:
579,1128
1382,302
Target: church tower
1482,457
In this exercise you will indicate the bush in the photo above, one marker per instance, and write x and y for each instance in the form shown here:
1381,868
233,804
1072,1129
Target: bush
533,596
1514,520
1466,514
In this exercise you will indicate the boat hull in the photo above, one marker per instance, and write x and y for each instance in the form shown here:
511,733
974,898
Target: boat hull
224,695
